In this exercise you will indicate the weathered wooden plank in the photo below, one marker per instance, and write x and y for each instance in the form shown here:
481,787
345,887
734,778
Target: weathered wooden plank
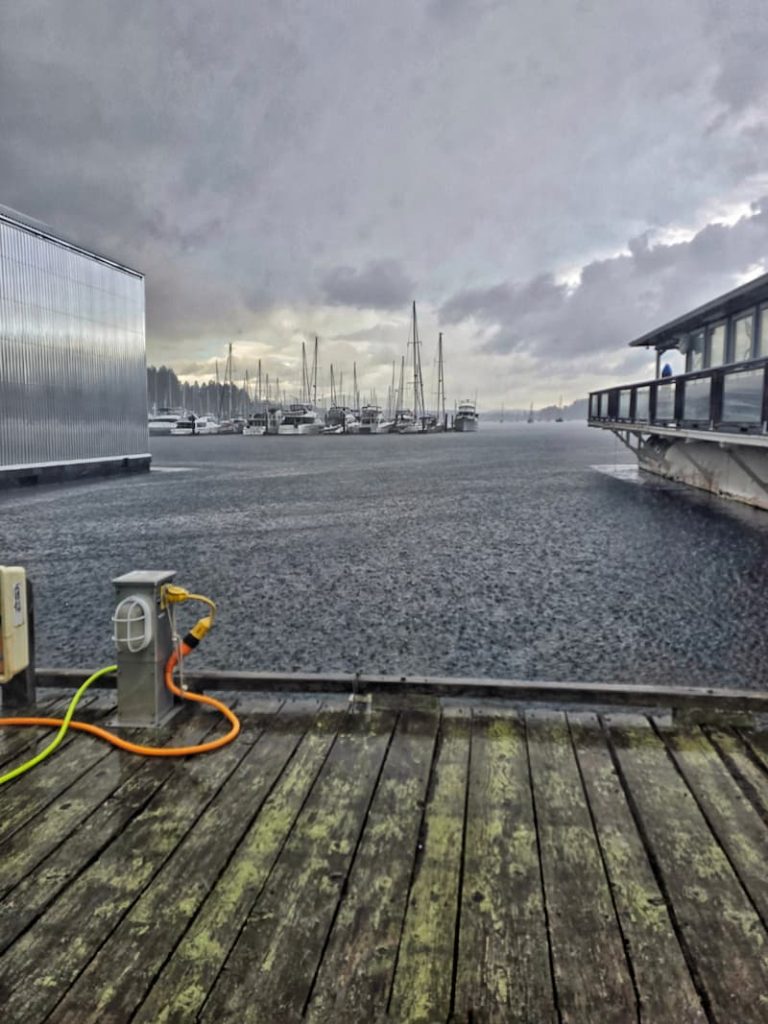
37,970
116,980
270,970
423,981
182,987
715,920
738,754
17,742
355,977
758,743
503,972
77,826
592,977
31,793
28,847
731,816
664,984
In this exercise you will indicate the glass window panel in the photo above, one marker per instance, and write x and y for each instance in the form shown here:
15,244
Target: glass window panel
717,345
762,348
665,403
743,330
624,397
641,404
696,400
599,405
743,397
696,352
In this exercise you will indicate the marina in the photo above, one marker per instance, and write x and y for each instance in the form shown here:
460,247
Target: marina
255,412
469,729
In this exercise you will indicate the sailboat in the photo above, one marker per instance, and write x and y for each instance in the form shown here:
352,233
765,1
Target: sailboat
559,417
412,421
303,417
530,414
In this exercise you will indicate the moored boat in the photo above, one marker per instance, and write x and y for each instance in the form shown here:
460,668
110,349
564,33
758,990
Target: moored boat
300,418
163,422
466,418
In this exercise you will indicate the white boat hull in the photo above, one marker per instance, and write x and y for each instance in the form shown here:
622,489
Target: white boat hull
254,431
464,426
301,428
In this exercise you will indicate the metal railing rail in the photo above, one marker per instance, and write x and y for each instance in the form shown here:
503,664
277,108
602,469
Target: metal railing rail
731,399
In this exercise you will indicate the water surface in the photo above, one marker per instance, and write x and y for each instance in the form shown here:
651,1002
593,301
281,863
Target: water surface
502,553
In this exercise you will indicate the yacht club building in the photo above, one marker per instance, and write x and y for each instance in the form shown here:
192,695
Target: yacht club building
73,394
705,427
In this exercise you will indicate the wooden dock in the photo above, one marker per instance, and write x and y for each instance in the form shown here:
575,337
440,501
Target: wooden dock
415,860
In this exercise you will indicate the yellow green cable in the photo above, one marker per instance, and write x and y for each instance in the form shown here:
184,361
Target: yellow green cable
15,772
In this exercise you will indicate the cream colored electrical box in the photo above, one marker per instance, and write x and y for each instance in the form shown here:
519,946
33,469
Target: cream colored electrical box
14,640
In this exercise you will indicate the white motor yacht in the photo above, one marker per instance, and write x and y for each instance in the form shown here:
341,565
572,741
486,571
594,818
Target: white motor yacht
372,421
185,427
466,418
163,422
206,425
300,419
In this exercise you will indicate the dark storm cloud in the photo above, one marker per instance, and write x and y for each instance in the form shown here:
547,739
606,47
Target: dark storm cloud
261,161
382,284
615,299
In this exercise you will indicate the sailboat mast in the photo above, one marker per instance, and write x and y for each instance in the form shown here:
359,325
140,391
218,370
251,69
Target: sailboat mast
259,380
229,379
440,380
314,375
304,375
355,392
418,384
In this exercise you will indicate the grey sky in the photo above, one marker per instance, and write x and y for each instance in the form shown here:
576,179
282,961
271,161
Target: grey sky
539,176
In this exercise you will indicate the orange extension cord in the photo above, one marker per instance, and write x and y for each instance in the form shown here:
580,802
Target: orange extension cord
137,748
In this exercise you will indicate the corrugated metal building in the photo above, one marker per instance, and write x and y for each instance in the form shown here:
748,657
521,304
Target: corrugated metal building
73,396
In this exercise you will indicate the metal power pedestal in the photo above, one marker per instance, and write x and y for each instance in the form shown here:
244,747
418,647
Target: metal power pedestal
144,644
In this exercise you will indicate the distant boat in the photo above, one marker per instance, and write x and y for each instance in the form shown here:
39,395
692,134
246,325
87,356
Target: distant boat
466,418
340,420
372,421
206,425
257,424
300,418
185,427
559,417
530,414
164,421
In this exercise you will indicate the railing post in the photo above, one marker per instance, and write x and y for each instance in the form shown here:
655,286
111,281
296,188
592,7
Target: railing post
652,403
716,398
679,406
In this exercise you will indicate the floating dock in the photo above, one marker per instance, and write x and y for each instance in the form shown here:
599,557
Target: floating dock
406,857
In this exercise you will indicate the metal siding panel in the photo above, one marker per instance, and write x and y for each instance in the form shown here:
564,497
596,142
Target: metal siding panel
72,354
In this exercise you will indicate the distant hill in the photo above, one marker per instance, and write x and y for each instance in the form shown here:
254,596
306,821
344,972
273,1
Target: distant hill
575,411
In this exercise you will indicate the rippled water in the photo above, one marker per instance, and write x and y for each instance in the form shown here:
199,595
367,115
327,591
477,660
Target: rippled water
503,553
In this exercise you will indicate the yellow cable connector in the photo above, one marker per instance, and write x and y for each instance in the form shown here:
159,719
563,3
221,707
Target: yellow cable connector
172,594
201,627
